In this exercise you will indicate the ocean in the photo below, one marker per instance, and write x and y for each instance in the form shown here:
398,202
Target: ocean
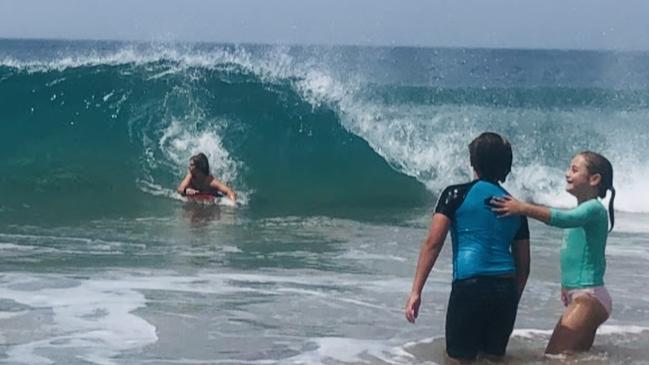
337,153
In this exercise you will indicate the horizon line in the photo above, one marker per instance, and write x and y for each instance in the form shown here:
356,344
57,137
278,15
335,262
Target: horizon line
289,44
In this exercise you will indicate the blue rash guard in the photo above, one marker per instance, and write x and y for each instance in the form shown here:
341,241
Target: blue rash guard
481,240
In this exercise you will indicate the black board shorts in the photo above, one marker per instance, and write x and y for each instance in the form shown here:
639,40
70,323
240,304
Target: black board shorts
480,316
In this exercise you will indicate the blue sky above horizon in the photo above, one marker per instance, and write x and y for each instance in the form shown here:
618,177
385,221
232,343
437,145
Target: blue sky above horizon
577,24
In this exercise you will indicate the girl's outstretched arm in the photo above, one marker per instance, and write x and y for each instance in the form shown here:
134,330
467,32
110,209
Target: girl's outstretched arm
505,206
428,254
562,218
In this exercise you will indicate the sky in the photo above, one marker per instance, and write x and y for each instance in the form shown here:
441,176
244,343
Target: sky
555,24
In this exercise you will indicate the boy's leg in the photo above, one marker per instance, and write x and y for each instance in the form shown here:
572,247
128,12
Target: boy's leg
463,322
499,318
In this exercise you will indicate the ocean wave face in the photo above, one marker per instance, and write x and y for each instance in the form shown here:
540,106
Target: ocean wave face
302,130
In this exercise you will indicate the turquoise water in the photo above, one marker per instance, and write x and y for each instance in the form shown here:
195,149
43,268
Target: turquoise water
337,153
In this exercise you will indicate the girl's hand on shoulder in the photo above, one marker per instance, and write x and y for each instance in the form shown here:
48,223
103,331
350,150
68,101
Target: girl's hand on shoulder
506,206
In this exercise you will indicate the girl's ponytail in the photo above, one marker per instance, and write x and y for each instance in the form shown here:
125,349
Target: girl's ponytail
598,164
611,211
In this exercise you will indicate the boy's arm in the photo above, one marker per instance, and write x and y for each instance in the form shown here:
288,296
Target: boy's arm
428,254
521,254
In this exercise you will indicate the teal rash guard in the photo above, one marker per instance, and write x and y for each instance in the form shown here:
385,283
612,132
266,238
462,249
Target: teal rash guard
583,261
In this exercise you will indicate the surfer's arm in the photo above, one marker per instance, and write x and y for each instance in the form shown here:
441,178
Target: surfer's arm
216,184
182,188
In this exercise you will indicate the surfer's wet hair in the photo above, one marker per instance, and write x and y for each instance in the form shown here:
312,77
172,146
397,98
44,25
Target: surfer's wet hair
491,156
200,162
598,164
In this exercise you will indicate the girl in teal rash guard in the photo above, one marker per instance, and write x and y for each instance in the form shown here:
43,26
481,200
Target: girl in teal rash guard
583,262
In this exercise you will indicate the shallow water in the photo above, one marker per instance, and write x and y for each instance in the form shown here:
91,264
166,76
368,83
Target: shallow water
291,290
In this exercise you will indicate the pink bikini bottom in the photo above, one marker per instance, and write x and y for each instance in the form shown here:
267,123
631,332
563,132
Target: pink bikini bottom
598,292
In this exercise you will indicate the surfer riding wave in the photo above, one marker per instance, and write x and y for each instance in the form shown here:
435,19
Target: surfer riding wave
198,181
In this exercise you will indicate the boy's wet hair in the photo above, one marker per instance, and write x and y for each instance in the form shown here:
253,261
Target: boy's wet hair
598,164
491,156
201,163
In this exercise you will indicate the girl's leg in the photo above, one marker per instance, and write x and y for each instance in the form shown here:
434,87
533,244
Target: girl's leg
576,329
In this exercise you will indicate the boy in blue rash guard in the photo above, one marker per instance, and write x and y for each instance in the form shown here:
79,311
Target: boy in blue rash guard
490,257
